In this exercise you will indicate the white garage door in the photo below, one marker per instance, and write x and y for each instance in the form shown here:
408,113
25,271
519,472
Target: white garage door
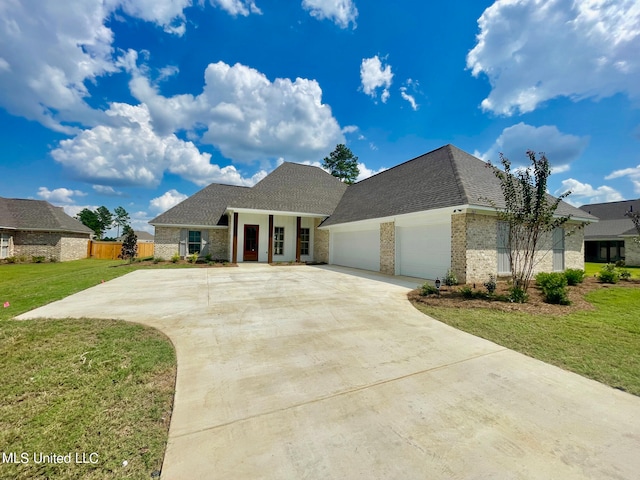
359,249
424,251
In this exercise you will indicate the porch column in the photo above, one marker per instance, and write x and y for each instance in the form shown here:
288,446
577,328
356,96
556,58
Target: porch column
270,252
234,257
298,224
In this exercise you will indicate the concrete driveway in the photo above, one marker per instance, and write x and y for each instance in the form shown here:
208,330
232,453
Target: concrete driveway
317,373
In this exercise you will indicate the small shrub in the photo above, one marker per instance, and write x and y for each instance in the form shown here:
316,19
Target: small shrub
12,259
450,279
467,292
574,276
38,258
193,258
53,259
208,258
491,284
608,274
518,295
158,259
554,287
621,264
175,258
428,289
624,274
22,258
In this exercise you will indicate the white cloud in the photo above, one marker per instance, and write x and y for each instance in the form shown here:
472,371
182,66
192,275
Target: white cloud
107,191
237,7
59,195
50,50
246,116
166,201
560,148
373,76
367,172
341,12
536,50
350,129
583,193
409,98
632,173
131,153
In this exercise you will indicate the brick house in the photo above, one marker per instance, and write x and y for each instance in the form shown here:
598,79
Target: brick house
613,238
420,218
37,228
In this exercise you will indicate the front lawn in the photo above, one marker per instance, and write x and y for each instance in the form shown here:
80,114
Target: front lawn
601,342
92,391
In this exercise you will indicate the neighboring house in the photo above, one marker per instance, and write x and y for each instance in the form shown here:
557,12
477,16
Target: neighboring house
37,228
614,237
420,218
143,237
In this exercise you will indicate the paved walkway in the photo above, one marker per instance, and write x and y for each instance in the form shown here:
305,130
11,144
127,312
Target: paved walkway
316,373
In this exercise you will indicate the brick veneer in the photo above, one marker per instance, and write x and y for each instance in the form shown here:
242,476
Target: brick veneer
60,246
474,248
167,242
320,243
388,248
632,252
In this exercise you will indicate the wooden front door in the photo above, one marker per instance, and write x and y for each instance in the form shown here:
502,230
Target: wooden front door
250,243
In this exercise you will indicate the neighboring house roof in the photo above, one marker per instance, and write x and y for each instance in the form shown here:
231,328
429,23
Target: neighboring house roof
23,214
289,188
142,236
445,177
613,220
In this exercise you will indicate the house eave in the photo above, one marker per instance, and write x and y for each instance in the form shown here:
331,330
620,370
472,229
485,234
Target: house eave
275,212
189,225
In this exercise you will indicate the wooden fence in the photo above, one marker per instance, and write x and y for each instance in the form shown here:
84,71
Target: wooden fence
111,250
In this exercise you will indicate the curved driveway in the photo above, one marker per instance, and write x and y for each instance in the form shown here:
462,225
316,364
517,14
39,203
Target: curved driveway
321,372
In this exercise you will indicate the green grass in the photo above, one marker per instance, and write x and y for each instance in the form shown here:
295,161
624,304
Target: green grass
591,269
602,344
80,386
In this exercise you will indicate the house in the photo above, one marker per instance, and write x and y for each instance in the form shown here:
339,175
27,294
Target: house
420,218
143,237
612,238
36,228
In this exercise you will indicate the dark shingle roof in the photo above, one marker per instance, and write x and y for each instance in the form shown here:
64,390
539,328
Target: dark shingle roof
445,177
23,214
613,221
289,188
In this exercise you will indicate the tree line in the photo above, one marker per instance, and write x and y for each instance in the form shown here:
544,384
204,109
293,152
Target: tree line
101,219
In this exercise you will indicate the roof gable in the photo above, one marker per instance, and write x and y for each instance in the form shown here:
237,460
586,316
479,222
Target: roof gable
613,220
26,214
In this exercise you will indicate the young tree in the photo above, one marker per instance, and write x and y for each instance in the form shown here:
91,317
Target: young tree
90,219
343,164
129,245
121,219
529,214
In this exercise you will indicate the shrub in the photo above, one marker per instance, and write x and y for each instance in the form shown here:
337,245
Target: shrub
554,287
467,292
491,285
38,258
175,258
193,258
624,274
12,259
621,264
608,274
53,259
574,276
518,295
208,258
158,259
428,289
450,279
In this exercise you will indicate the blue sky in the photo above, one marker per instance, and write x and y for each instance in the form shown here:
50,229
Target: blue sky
141,104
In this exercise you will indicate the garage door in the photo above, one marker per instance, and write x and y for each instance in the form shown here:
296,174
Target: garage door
359,249
424,251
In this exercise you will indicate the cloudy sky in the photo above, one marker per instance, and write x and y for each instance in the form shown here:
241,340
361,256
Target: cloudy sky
141,103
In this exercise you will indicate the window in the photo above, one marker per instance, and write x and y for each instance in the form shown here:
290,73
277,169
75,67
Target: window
558,249
304,241
4,245
278,241
195,241
504,266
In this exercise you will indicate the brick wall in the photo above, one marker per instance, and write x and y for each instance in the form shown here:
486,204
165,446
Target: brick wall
481,235
459,246
37,244
167,242
219,244
73,247
320,243
632,252
388,248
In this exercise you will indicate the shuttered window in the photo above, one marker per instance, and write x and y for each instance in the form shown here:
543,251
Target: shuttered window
558,249
195,241
504,266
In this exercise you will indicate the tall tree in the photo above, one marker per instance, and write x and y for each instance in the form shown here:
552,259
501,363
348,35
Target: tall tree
342,163
121,218
529,213
90,219
105,217
129,245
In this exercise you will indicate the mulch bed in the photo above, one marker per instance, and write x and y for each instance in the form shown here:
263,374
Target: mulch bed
452,298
